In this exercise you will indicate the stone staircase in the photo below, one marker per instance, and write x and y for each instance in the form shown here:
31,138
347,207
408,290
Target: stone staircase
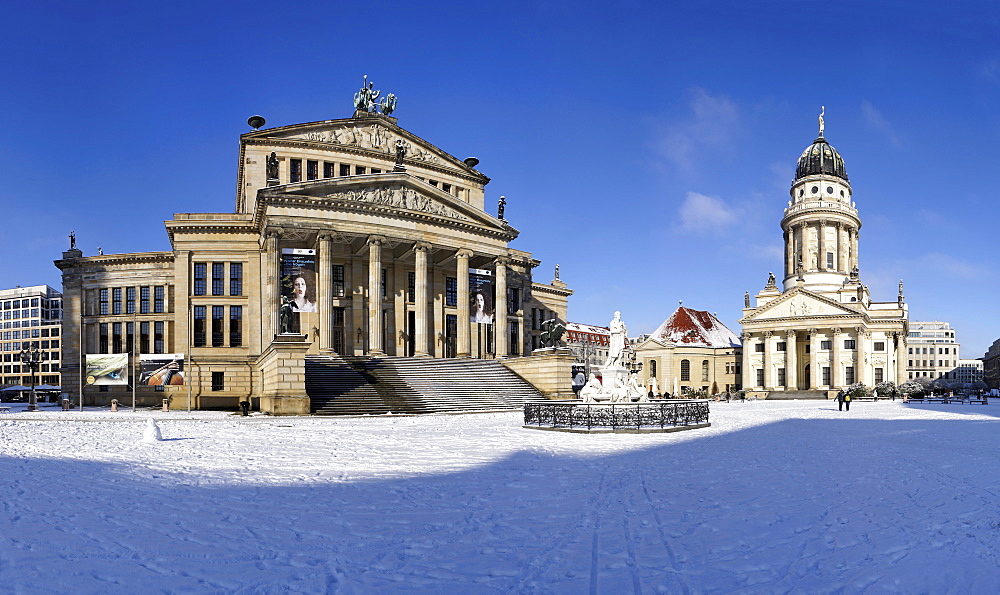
350,385
788,395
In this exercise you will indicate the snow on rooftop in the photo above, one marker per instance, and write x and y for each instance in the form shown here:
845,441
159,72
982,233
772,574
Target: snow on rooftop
695,328
587,328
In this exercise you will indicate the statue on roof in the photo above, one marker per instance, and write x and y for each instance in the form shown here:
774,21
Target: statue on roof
72,241
822,110
366,99
400,154
770,280
500,207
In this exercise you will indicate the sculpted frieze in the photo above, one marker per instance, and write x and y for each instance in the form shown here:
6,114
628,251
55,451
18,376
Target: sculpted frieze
374,137
399,197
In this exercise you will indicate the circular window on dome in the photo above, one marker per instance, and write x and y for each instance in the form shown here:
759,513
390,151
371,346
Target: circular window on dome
829,189
815,189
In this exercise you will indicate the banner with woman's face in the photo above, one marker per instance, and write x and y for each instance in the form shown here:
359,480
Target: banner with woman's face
481,296
298,279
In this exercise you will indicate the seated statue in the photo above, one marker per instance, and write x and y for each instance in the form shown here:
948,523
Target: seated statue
592,390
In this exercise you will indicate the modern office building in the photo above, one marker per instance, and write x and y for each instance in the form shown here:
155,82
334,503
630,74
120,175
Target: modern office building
31,319
352,236
932,351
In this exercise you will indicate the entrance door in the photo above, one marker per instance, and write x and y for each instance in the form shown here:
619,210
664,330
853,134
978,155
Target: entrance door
804,379
411,327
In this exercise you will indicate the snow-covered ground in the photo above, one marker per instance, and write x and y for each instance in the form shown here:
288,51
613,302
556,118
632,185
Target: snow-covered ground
774,497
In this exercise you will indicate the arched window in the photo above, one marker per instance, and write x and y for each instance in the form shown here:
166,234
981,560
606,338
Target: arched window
704,371
685,370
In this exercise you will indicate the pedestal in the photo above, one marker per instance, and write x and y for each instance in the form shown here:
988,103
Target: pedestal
283,372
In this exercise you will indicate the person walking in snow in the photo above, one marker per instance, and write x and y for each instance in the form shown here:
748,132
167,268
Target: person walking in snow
842,399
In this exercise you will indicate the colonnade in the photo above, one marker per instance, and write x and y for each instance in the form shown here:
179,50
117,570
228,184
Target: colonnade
801,236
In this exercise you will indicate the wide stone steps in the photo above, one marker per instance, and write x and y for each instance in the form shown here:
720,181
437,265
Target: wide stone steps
788,395
349,385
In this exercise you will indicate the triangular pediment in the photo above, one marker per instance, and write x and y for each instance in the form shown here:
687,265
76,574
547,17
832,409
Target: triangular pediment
375,134
799,303
397,194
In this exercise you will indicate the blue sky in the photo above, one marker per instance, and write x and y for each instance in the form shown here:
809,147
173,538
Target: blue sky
647,148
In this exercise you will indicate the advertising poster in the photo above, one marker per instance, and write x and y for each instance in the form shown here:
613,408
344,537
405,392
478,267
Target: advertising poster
298,279
481,296
161,369
107,369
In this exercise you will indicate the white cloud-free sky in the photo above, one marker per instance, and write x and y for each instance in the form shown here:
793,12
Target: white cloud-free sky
646,147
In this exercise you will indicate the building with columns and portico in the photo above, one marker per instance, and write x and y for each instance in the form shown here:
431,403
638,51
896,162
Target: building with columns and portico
350,236
820,330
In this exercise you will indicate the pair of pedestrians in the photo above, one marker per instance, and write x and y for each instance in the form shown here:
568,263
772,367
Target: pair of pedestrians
842,399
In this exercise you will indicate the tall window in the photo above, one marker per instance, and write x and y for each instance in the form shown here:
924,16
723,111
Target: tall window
312,170
199,326
116,337
338,330
143,337
218,381
685,370
158,299
218,326
385,288
781,377
200,272
218,280
450,334
103,338
829,260
104,302
879,374
235,326
652,368
294,170
826,376
704,371
327,169
345,170
760,377
144,300
513,343
849,374
158,342
411,286
450,291
116,300
513,300
130,300
337,275
236,278
129,336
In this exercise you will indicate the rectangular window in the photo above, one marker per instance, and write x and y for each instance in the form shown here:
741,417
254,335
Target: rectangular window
218,326
534,320
909,363
236,278
411,286
158,337
104,303
103,338
129,337
513,300
878,375
218,278
143,337
345,170
910,351
513,343
849,344
294,170
879,346
144,300
130,300
781,346
385,288
327,169
200,275
218,381
450,291
826,375
200,313
446,187
359,170
235,326
760,377
337,325
781,377
116,300
339,285
758,347
849,374
825,344
829,260
116,337
312,170
158,299
686,370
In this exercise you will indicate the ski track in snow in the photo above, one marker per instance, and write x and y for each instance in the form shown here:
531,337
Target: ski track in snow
774,497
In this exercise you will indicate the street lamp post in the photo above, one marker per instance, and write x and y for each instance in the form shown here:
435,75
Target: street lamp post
32,358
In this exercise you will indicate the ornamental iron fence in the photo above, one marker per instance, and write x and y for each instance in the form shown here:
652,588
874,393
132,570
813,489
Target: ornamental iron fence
662,415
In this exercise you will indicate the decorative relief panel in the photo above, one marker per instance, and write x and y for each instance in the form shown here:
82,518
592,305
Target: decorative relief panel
399,197
373,137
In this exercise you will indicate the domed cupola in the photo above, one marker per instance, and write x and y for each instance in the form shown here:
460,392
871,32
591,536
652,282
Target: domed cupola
821,158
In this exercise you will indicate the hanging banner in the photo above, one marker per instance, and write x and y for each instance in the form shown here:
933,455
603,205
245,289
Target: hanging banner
298,279
161,369
107,369
481,296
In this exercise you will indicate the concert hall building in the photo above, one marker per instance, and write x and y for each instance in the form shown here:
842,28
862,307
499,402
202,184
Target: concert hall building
351,236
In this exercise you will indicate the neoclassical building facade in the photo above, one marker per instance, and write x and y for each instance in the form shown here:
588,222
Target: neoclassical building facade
821,330
350,236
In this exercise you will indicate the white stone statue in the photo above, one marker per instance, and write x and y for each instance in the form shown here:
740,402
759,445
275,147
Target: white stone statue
616,343
591,390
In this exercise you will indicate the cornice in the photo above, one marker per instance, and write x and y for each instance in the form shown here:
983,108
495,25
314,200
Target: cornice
114,259
544,288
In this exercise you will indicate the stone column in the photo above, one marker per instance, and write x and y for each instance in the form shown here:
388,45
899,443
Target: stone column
269,301
768,361
464,348
791,360
900,346
790,252
815,374
746,370
420,297
836,378
500,308
853,234
841,254
375,295
821,245
324,302
859,371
